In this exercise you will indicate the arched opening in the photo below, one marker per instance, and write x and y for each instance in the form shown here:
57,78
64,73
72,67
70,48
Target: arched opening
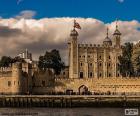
83,90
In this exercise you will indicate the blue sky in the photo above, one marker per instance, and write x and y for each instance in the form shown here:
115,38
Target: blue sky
105,10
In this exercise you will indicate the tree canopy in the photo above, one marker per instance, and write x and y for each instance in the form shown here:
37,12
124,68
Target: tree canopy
5,61
52,60
125,61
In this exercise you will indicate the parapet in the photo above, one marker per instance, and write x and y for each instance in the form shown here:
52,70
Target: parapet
5,69
90,45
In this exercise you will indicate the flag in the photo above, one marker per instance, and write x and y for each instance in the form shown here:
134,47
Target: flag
76,25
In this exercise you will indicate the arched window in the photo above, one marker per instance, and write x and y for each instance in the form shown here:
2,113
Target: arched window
81,75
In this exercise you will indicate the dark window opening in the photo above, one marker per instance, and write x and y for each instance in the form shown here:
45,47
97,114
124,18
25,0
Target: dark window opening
90,74
109,75
100,57
43,83
63,73
90,64
9,83
109,57
81,74
100,75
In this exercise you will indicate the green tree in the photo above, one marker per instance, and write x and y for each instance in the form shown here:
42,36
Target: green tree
125,61
137,60
5,61
51,60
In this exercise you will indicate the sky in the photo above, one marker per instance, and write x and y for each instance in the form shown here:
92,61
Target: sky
105,10
41,25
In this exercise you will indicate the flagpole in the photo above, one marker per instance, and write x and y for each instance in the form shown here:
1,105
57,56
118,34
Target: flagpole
74,24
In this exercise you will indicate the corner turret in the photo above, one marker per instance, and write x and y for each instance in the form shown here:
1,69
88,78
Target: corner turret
117,37
107,41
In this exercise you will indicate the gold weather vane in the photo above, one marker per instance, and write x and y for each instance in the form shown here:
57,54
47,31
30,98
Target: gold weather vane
76,25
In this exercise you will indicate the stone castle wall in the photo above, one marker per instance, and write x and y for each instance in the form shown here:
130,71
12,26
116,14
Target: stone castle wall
12,80
99,85
43,82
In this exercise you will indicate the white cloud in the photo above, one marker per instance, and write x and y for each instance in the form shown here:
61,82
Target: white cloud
26,14
49,33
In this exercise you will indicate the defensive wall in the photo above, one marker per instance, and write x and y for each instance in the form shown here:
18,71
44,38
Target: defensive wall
113,85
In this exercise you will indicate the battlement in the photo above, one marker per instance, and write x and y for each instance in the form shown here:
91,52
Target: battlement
91,45
94,46
5,69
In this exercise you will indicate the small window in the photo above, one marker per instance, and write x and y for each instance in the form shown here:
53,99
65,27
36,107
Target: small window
9,83
63,73
90,74
81,64
43,83
90,64
109,64
100,75
100,64
109,57
81,75
109,75
100,57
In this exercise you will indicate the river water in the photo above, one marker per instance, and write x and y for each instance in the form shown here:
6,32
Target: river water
62,112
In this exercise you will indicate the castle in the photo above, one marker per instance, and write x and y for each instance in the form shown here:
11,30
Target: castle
92,68
94,61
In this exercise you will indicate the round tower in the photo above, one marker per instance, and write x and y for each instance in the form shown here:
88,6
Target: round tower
17,78
73,54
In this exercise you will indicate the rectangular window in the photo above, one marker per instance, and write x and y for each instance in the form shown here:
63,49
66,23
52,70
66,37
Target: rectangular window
9,83
43,83
90,74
